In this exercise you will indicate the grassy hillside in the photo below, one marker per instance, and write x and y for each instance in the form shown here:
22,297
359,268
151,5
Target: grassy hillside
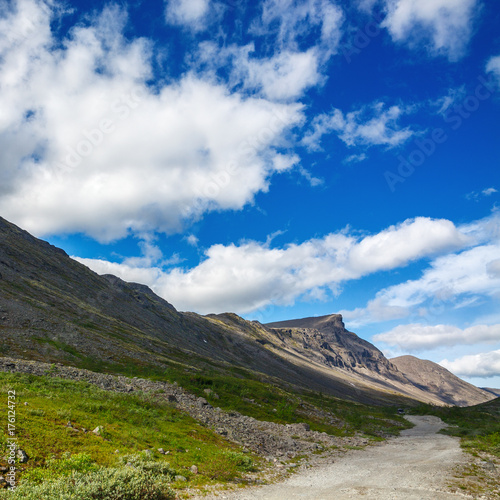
55,429
50,429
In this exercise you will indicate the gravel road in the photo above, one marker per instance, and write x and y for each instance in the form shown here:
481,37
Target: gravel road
413,466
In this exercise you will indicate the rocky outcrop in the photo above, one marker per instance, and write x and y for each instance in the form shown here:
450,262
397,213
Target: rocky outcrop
326,337
269,439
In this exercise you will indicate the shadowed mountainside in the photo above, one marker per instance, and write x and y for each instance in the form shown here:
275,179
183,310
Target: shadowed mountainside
53,308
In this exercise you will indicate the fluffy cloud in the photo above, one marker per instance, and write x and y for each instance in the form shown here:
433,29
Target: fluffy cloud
87,146
189,13
372,125
419,337
486,364
493,66
456,278
449,277
299,38
285,75
292,21
397,245
250,276
445,26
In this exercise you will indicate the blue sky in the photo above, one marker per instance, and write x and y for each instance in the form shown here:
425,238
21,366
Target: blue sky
276,159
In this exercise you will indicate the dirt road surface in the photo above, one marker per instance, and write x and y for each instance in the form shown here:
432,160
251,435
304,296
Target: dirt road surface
415,465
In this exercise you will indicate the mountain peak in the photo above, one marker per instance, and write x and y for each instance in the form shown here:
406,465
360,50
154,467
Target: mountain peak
313,322
53,308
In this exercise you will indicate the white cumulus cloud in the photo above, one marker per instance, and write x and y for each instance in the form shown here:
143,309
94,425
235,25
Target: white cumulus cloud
419,337
453,278
285,75
87,146
485,364
251,275
444,26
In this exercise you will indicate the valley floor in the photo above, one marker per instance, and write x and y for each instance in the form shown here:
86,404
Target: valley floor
419,464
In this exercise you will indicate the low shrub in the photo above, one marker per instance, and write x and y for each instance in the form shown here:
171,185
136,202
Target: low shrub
78,478
120,483
242,461
80,462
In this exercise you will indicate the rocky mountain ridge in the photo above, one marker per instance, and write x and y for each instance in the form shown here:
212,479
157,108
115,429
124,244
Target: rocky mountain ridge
328,337
55,309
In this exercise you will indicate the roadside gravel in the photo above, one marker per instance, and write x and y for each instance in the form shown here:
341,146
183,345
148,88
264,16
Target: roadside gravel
417,465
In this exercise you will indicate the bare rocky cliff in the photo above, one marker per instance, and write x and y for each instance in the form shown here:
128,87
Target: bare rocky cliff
325,340
327,337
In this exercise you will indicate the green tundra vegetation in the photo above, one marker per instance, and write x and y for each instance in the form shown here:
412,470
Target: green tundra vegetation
65,462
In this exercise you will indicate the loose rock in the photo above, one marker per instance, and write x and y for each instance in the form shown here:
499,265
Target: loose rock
22,456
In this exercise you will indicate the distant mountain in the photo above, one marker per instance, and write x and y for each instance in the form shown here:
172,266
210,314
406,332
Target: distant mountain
55,309
325,340
326,337
431,377
495,392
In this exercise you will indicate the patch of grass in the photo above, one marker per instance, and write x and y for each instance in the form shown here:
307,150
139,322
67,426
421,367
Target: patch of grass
55,468
226,466
241,390
55,430
61,346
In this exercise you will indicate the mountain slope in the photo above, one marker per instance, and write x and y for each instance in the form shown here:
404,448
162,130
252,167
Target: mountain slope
495,392
53,308
325,339
431,377
342,349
